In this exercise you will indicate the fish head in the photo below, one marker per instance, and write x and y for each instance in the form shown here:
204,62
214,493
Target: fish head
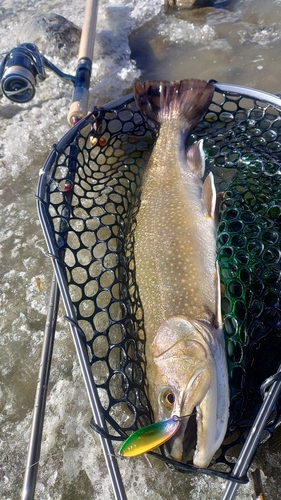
188,375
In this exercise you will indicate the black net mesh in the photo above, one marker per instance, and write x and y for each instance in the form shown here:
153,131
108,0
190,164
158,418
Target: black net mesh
91,197
110,154
242,140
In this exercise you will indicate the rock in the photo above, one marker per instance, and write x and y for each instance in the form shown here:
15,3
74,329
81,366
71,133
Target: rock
53,34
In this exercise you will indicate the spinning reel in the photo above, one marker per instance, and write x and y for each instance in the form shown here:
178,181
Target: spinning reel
22,69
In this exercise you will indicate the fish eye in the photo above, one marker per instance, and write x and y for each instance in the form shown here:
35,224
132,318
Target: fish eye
168,398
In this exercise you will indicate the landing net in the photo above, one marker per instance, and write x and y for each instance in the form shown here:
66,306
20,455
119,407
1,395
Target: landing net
88,194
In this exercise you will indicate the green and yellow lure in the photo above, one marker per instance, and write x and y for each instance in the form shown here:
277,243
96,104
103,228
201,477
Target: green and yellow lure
149,437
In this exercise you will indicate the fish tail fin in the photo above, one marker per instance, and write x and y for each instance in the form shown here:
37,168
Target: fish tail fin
187,100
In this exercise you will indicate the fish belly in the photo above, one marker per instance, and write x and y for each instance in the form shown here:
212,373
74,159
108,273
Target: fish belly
174,242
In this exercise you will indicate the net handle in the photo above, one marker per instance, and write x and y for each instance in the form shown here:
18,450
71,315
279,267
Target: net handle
79,106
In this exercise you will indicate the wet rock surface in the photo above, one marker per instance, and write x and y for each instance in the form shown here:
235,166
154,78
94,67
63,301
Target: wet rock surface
53,34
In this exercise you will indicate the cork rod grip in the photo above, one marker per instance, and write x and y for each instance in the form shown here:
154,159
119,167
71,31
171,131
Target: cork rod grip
79,106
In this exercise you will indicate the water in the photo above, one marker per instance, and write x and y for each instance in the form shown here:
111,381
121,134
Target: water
240,46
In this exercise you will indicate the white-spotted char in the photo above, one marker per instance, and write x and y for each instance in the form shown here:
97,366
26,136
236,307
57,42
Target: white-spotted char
175,255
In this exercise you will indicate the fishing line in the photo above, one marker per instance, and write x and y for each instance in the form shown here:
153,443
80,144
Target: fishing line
175,417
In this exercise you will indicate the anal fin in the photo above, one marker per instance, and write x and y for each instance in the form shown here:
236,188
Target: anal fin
196,158
209,196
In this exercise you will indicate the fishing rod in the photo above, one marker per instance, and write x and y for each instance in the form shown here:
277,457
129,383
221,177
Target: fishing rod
32,463
246,455
19,74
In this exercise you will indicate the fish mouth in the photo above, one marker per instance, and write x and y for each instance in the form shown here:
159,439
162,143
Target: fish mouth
182,445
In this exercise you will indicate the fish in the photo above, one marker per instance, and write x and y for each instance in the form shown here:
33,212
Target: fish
177,274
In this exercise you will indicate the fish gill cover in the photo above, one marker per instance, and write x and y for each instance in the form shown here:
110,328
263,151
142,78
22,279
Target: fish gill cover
91,215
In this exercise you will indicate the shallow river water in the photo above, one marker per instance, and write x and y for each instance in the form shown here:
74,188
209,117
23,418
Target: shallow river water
135,39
